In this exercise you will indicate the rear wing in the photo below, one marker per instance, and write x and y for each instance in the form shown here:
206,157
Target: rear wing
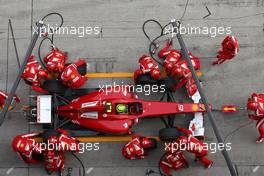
44,108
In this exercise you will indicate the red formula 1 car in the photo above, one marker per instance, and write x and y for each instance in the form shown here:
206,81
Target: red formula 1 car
110,111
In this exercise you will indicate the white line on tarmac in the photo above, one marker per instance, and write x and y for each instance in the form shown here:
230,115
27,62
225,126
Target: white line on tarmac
9,170
255,169
89,170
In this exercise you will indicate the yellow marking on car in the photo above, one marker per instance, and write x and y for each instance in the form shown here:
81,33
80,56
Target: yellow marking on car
195,107
199,73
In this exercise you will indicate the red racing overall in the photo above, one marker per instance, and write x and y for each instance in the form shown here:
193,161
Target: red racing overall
136,148
182,71
173,160
147,65
193,145
26,147
55,60
54,156
53,149
53,161
33,74
255,108
71,77
230,48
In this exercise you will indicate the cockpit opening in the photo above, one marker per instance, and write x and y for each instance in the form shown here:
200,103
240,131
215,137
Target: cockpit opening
129,108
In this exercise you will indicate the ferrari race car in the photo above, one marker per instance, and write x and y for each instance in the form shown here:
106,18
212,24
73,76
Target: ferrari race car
110,111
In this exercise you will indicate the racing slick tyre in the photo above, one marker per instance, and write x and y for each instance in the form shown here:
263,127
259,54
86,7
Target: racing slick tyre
71,94
54,86
82,69
169,83
146,79
168,134
154,143
50,132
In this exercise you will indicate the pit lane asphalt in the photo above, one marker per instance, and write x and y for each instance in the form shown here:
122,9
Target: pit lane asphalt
122,39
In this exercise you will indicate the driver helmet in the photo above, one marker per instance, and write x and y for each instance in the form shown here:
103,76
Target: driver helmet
121,108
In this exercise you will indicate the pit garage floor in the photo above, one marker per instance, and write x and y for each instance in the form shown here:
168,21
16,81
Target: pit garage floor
122,40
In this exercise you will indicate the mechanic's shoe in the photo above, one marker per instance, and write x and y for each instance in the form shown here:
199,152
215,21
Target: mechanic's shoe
10,108
49,172
215,63
209,166
260,140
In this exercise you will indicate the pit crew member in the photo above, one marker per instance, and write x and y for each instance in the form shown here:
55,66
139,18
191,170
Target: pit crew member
55,60
27,148
71,76
147,66
172,160
33,74
182,71
137,148
51,150
230,48
195,146
255,108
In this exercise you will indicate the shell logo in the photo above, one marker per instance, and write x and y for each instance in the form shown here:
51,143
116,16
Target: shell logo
195,107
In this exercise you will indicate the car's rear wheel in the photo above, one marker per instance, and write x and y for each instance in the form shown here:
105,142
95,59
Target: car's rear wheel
146,79
154,143
169,134
48,133
54,86
82,69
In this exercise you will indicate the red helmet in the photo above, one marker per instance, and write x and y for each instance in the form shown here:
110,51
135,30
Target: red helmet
168,66
195,62
177,71
22,145
147,143
142,57
191,87
155,73
230,45
31,58
176,53
43,74
251,105
16,144
53,140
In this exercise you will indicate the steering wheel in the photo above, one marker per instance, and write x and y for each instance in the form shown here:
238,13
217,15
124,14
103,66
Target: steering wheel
138,108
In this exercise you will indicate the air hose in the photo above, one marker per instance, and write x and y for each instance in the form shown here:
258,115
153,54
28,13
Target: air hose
52,34
80,161
153,42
